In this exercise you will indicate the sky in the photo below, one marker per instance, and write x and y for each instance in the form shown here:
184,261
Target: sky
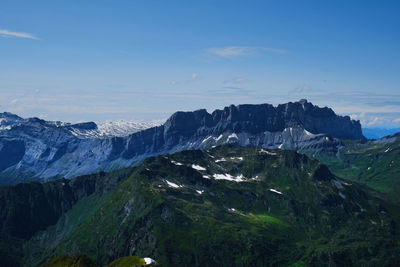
81,60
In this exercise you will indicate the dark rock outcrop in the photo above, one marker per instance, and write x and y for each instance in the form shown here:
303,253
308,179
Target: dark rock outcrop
26,208
260,118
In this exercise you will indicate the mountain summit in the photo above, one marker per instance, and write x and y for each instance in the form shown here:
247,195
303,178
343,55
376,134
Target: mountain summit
34,149
265,117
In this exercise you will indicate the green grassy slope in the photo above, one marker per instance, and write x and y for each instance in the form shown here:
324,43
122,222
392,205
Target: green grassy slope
84,261
373,163
287,210
28,208
69,261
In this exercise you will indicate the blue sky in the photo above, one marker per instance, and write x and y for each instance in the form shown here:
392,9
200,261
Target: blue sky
142,60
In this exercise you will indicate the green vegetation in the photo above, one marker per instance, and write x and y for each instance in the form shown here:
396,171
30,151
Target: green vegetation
85,261
131,261
373,163
268,208
69,261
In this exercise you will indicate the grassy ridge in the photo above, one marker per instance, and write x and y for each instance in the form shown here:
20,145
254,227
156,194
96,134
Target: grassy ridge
312,217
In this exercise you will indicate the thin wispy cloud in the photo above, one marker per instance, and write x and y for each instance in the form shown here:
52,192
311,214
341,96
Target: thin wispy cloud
242,51
7,33
236,80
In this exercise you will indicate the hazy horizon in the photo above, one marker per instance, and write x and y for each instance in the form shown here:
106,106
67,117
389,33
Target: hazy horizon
143,60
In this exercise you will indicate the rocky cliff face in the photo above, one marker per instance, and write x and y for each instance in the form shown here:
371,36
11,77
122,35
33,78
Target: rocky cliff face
254,119
26,208
38,150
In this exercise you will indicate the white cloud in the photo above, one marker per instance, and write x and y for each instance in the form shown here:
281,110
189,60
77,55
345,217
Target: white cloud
374,119
14,101
242,51
194,76
239,80
361,109
7,33
235,80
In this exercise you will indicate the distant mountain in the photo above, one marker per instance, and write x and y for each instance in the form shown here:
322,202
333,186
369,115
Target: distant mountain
35,149
226,206
376,133
106,129
122,128
7,120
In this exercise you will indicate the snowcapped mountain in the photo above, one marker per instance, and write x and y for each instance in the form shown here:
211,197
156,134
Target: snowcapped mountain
34,149
106,129
7,120
123,128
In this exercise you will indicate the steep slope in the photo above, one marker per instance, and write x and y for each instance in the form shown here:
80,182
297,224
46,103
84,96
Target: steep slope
375,163
27,208
40,150
230,206
37,150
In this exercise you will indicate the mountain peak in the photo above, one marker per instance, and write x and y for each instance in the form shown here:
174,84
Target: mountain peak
9,115
255,118
303,101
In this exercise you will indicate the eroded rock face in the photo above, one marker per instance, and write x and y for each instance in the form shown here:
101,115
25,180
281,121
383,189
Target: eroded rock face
26,208
44,150
265,117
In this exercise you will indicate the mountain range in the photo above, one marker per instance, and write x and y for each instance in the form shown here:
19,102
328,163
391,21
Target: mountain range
248,185
34,149
225,206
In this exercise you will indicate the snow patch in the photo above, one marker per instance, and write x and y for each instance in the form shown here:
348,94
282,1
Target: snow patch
228,177
233,136
122,128
220,160
176,163
262,151
149,261
275,191
206,139
206,177
198,167
200,191
308,133
236,158
387,150
173,185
